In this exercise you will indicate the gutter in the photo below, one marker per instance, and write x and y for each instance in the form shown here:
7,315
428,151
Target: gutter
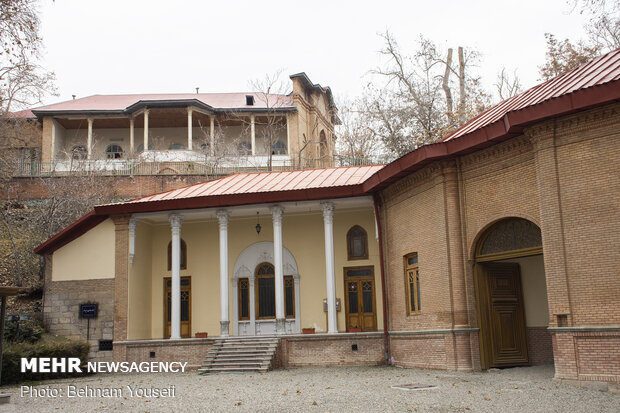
386,341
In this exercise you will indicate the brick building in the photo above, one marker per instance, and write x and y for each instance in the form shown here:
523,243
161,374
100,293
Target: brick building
495,247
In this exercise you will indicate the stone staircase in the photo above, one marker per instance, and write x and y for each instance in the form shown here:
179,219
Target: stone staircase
240,355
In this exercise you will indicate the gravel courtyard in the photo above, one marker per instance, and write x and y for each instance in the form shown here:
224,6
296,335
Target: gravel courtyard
334,389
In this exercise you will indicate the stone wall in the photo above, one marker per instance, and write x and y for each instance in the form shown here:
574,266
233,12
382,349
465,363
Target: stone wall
331,350
61,306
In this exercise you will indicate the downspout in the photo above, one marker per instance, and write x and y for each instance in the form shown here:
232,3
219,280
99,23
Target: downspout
386,341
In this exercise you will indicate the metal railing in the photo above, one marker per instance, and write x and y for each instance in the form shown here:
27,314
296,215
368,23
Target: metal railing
33,168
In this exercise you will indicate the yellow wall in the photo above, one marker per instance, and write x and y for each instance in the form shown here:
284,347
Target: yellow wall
140,294
303,236
87,257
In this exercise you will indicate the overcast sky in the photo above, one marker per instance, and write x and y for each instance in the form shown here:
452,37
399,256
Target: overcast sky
129,46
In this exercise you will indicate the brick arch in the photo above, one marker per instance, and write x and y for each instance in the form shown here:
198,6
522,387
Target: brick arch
471,249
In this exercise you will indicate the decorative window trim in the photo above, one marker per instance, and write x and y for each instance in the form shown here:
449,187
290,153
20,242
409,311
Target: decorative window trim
412,283
114,151
350,256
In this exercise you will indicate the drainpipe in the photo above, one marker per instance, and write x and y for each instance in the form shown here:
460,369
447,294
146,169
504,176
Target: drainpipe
386,341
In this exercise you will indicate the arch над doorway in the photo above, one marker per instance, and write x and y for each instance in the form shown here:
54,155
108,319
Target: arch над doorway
511,295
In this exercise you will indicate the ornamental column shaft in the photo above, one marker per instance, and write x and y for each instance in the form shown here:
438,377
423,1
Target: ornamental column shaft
131,135
253,134
223,216
146,129
190,124
330,276
175,305
276,213
89,142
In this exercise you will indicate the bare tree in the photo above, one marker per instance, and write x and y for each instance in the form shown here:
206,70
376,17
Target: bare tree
507,85
416,106
22,82
356,144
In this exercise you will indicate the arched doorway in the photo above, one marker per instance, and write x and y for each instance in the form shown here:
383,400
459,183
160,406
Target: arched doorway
511,294
254,291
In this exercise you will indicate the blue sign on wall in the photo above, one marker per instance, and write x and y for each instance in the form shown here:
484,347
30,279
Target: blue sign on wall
88,310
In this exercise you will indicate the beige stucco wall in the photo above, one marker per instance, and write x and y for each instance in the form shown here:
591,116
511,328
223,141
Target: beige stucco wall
534,290
303,236
140,291
88,257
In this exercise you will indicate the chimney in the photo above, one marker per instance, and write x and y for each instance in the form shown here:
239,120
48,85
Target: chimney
197,90
73,97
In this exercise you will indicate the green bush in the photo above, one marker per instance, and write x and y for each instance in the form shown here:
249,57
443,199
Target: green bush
22,331
13,353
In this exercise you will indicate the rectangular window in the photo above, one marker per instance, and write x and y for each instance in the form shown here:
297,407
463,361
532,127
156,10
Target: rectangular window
412,280
244,299
289,296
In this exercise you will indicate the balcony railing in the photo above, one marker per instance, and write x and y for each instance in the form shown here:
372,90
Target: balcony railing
117,167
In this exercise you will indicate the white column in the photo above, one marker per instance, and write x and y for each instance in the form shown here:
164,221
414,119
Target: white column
223,217
89,141
189,128
131,134
330,276
276,213
288,137
175,317
252,306
53,154
212,136
133,223
146,130
253,135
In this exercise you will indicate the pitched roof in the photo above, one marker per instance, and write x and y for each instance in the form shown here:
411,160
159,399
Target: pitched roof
130,103
594,84
603,69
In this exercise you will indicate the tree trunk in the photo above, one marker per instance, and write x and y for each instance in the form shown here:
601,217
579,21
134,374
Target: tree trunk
446,87
462,111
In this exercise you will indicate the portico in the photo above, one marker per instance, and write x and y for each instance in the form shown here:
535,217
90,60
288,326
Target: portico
238,281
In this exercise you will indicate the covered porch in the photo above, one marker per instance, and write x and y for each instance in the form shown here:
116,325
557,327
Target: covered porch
250,270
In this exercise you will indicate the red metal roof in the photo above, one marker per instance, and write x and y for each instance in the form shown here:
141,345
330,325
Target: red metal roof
596,72
117,103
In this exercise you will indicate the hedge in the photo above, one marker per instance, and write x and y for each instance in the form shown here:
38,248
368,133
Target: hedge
13,353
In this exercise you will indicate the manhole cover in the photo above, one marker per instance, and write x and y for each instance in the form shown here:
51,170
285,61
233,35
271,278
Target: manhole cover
415,386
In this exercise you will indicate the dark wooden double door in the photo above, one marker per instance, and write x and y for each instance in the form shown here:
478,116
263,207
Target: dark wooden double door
186,307
502,316
360,307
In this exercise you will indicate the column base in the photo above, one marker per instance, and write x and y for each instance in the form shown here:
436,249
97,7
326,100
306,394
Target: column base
224,328
280,325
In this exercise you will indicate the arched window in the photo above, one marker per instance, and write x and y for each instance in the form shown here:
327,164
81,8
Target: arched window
176,146
266,294
278,148
244,148
141,148
512,234
79,152
114,152
183,255
357,243
323,149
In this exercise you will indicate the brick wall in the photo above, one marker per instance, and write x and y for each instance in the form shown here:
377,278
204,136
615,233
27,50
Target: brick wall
331,350
191,350
118,187
539,345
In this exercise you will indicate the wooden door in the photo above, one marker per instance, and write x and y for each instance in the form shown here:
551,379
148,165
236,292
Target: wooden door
360,307
186,307
502,316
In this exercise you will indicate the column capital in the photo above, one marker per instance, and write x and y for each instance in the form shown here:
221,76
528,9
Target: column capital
146,111
190,109
133,223
276,213
328,210
90,121
223,216
175,221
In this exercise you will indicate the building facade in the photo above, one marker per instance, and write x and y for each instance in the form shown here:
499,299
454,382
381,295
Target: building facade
253,131
496,247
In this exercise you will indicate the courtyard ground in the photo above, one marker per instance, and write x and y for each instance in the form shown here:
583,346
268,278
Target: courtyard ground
322,389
